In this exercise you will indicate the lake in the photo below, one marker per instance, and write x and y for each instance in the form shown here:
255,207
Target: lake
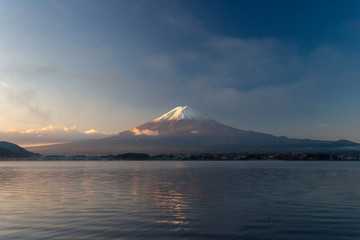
180,200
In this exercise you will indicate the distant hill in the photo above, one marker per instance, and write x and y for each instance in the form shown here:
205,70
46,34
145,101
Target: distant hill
185,130
11,150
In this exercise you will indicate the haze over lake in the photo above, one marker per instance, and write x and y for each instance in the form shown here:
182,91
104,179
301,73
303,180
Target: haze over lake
180,200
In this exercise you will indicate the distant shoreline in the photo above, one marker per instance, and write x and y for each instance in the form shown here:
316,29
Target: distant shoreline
172,160
341,156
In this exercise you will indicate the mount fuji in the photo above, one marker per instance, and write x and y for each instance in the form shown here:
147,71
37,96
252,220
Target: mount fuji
185,130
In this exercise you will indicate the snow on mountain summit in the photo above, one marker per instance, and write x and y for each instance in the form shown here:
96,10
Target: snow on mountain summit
181,113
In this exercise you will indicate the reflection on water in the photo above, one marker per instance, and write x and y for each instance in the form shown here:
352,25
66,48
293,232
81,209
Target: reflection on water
156,195
179,200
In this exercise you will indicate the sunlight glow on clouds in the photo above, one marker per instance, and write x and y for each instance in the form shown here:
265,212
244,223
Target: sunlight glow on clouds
91,131
137,131
49,135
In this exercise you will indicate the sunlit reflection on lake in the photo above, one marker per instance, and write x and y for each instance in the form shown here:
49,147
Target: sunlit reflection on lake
179,200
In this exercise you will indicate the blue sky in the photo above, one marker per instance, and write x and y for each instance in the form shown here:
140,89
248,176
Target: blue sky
281,67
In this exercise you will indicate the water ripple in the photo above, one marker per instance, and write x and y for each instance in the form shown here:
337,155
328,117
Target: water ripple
179,200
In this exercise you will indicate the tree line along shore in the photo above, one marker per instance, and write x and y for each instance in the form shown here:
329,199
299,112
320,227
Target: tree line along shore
195,157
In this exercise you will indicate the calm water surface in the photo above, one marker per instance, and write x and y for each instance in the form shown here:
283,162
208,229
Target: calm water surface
179,200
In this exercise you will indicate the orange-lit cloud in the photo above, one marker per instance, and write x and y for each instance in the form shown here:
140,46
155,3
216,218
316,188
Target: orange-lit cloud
48,135
137,131
92,131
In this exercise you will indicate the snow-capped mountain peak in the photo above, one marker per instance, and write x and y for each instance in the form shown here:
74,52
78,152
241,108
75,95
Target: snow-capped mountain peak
182,113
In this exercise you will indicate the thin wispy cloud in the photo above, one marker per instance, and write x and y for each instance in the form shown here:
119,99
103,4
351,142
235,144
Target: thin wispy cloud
27,100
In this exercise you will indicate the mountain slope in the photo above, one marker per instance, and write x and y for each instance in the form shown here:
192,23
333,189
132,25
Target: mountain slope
10,150
185,130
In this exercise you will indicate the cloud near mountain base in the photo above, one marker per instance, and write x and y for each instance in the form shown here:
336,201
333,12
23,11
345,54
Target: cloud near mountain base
137,131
